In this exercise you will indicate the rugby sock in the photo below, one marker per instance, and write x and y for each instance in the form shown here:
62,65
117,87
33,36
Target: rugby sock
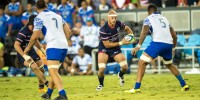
41,86
121,73
181,80
46,83
137,85
101,79
49,91
62,92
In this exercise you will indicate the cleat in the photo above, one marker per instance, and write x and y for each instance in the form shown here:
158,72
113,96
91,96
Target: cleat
46,96
99,88
60,97
133,91
121,80
42,90
185,88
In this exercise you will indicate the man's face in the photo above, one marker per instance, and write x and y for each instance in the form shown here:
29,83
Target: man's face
112,19
46,1
1,12
81,52
63,1
13,0
89,23
84,5
103,1
29,7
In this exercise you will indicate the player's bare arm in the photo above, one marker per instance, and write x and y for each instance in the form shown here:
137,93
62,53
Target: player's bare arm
144,32
39,46
18,48
173,33
128,30
33,40
67,31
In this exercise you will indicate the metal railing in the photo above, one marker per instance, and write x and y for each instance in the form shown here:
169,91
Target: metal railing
159,60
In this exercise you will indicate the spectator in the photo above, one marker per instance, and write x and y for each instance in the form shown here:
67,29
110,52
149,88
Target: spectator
67,12
199,3
14,9
90,36
84,12
120,4
5,25
66,66
102,22
104,6
143,4
182,3
77,28
28,13
50,6
1,55
91,3
82,64
72,48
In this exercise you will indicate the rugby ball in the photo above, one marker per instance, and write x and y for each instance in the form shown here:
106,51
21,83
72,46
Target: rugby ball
130,38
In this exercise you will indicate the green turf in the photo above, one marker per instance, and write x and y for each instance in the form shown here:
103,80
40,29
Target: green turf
154,87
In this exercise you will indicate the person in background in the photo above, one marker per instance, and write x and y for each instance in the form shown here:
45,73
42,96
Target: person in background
67,12
84,12
90,36
82,64
102,22
28,13
91,3
5,25
120,4
1,55
182,3
50,6
143,4
15,9
104,5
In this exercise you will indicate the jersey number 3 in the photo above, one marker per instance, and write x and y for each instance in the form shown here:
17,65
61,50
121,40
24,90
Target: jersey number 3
56,22
162,22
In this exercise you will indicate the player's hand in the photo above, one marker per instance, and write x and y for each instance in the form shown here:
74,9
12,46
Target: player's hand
26,50
134,50
125,42
26,57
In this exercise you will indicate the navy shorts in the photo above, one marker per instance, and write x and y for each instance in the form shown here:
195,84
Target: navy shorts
32,53
56,54
156,49
111,52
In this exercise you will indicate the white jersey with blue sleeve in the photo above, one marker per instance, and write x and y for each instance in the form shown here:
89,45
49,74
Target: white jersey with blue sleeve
159,28
51,25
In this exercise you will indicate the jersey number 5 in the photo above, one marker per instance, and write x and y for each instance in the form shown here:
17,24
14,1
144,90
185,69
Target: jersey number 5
55,21
162,22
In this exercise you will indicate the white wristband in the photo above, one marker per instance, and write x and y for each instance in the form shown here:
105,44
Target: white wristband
138,45
26,57
120,43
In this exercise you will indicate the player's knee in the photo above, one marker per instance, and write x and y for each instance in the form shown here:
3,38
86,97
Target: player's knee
124,65
34,67
144,59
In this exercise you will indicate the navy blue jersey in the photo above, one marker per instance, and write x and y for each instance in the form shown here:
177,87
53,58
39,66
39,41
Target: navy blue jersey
110,34
24,36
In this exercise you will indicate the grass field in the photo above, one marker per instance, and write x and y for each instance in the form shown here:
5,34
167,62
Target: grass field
154,87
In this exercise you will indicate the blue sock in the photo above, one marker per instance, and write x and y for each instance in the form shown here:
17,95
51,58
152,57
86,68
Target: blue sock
62,92
49,91
137,85
181,80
